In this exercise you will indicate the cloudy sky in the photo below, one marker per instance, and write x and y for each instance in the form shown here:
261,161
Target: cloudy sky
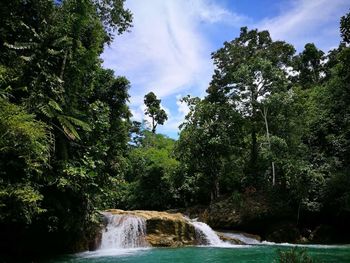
168,48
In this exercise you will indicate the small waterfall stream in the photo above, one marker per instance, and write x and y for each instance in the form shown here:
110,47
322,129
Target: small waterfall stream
242,237
207,235
124,231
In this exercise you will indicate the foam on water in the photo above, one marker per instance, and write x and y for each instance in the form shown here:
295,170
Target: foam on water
110,252
304,245
207,236
123,231
242,237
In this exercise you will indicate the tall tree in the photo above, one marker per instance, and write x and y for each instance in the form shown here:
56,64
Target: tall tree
309,66
209,138
249,69
154,110
330,133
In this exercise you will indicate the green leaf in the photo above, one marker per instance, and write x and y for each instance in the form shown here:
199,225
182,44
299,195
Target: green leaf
79,123
68,128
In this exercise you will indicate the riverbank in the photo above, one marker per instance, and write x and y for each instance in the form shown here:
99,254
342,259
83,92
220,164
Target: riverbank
273,221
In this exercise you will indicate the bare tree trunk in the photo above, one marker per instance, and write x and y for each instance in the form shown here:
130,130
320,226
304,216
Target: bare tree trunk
153,126
254,147
264,113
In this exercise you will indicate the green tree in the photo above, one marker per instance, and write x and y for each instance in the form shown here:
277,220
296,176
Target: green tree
345,28
152,171
25,146
249,69
309,66
329,137
153,110
208,139
50,69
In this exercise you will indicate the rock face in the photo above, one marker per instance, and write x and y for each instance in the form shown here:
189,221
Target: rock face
324,234
229,213
163,229
284,232
250,212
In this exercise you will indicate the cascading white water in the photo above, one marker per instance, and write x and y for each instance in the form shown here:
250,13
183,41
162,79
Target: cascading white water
242,237
203,231
124,231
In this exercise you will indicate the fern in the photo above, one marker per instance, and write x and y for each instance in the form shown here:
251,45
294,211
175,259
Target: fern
55,105
79,123
68,128
47,111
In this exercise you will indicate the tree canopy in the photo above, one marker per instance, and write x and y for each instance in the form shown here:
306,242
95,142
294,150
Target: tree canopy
154,110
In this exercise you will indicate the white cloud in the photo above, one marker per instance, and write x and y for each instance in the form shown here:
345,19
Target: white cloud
211,12
182,106
308,21
165,51
177,118
168,50
137,114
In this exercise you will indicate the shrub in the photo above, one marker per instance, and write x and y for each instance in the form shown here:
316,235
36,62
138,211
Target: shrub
294,255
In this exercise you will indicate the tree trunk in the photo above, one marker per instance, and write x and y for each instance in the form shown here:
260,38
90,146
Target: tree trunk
63,65
153,126
264,113
254,149
273,174
61,147
298,215
215,190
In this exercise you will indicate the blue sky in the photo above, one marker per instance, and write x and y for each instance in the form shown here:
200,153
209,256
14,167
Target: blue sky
168,49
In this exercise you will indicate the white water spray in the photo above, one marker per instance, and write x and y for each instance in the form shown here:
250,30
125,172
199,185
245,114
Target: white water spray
124,231
242,237
207,235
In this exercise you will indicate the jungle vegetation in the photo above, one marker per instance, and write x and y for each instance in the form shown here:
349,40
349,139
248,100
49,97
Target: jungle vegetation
272,120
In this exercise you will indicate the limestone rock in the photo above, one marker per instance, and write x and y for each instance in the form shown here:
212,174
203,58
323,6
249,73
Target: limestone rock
164,229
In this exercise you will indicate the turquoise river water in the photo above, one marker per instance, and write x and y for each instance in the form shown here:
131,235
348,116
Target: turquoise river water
238,254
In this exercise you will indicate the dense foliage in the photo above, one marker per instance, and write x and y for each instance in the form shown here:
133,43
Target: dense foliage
272,122
64,120
152,171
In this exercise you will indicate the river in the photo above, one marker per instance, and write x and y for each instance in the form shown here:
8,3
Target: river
239,254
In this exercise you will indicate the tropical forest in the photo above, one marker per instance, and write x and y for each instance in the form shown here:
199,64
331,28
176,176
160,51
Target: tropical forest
259,170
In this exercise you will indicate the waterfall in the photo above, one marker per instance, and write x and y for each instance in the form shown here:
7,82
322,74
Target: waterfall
128,231
243,237
207,236
123,231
